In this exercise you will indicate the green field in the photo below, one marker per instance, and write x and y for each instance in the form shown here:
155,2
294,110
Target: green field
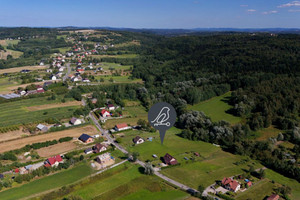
213,164
266,133
115,56
260,190
16,112
63,49
47,183
107,66
119,79
125,182
270,174
216,109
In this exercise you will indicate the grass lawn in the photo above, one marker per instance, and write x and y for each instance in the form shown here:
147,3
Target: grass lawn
118,79
270,174
131,116
63,49
266,133
16,112
115,56
125,182
47,183
216,109
116,66
258,191
213,164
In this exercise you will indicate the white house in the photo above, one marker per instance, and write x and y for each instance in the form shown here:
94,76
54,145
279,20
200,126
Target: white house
48,70
122,127
53,77
61,69
75,121
111,107
105,113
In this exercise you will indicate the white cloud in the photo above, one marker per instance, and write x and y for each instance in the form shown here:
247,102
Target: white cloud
244,5
269,12
294,10
251,10
290,4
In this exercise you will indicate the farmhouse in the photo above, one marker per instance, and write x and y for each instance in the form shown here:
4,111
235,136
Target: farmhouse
273,197
42,127
121,127
49,70
99,148
138,140
75,121
88,151
230,184
169,160
105,113
53,161
53,78
86,138
111,107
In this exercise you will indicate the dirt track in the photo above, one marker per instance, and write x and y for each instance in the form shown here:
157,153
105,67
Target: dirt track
19,143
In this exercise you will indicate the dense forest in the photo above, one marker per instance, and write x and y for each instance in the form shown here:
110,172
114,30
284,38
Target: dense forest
262,70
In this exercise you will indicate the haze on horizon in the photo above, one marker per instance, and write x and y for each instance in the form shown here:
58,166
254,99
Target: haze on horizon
152,14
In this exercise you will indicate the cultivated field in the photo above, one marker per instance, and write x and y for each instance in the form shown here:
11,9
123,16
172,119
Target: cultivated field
56,149
15,113
5,84
216,109
18,69
55,105
118,79
19,143
115,56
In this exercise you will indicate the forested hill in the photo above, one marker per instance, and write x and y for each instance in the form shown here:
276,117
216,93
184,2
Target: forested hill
189,57
263,71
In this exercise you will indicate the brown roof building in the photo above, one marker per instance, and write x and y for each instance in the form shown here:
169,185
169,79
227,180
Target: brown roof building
169,160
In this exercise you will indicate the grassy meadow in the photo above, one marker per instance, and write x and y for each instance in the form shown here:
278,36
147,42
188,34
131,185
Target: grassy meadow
125,182
216,108
48,183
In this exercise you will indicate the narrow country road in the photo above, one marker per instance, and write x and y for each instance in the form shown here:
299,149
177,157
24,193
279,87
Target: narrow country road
111,140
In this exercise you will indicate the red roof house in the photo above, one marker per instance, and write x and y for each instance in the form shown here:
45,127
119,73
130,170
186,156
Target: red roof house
105,113
169,160
231,184
53,161
121,127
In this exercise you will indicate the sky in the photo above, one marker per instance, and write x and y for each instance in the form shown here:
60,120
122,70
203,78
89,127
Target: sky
151,13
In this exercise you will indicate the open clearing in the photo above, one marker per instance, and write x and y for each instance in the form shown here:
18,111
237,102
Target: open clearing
115,56
126,182
19,143
18,69
213,163
266,133
11,135
56,149
216,108
56,105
